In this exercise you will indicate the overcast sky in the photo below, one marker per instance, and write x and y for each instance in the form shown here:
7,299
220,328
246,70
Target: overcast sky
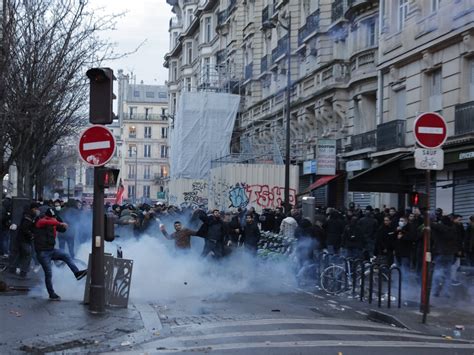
145,20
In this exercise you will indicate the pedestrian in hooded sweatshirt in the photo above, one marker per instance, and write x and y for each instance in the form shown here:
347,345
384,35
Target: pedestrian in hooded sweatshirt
45,239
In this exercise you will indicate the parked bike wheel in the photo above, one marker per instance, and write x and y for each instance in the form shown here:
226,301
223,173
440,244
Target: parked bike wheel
334,279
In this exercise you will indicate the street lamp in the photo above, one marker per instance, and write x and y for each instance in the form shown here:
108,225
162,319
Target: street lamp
271,25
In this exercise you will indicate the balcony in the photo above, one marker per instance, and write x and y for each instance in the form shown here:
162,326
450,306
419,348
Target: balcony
364,61
264,64
463,118
337,10
311,26
280,49
143,117
391,135
355,5
175,22
364,140
222,16
248,71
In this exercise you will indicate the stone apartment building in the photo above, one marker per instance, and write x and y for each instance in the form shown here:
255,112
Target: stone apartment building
361,71
142,132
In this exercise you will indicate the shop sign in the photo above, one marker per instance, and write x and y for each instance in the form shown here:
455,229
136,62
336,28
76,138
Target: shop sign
466,155
356,165
326,153
309,167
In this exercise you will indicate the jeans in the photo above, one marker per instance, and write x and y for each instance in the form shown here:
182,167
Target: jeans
442,271
45,257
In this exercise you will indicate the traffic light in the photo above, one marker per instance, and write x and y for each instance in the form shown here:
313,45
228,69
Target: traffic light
101,95
415,198
108,177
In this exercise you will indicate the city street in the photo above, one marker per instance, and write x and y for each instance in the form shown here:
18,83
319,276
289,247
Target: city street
290,321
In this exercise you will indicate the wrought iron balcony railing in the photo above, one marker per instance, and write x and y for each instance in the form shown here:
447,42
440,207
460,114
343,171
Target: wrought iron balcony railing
311,26
463,118
391,135
364,140
280,49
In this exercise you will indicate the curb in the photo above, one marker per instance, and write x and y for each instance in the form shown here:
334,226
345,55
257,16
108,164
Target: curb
386,318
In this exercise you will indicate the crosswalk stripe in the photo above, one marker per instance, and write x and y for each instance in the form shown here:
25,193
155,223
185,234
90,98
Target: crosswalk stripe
317,343
287,332
297,321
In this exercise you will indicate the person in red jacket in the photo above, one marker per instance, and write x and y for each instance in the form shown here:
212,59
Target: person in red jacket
45,239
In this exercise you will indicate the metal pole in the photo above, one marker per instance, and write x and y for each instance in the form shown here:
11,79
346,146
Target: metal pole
97,288
288,115
136,174
68,180
426,252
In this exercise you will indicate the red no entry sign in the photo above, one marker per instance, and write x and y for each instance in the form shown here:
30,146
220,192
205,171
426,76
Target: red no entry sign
96,145
430,130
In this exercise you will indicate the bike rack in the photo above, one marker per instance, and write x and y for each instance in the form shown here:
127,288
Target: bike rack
355,265
399,271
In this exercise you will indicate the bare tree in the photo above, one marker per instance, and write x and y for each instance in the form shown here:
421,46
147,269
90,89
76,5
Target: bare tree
49,44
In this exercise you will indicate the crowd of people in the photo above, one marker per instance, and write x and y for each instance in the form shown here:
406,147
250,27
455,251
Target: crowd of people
392,236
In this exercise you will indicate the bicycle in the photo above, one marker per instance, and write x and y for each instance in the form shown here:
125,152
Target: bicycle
338,278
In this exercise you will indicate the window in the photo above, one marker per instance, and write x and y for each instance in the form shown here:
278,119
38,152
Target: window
174,71
206,69
132,171
371,34
148,132
189,53
162,94
146,191
133,111
148,112
164,117
131,191
136,93
132,151
187,84
189,13
146,172
150,94
90,177
435,5
132,132
173,103
147,151
164,132
471,79
207,30
400,98
175,39
435,91
164,151
163,171
403,7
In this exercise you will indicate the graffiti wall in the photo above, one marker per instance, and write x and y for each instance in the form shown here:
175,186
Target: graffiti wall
188,193
259,186
236,185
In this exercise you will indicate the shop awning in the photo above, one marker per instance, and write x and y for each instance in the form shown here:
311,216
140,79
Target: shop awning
384,177
322,182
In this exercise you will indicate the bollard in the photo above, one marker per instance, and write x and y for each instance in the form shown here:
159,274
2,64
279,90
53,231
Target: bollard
371,282
399,271
355,266
379,295
362,282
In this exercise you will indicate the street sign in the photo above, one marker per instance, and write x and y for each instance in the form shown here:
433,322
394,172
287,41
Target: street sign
429,159
96,145
430,130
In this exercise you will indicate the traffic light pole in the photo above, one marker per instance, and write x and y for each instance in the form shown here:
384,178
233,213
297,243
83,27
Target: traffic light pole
97,287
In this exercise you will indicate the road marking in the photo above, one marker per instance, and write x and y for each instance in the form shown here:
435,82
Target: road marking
285,332
296,321
96,145
317,343
431,130
361,313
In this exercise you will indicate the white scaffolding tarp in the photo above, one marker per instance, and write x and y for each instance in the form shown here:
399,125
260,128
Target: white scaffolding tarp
202,131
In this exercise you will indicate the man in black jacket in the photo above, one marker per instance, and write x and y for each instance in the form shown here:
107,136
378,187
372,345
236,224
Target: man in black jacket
251,234
26,234
215,234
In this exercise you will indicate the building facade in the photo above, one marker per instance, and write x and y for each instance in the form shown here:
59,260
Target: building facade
360,72
142,135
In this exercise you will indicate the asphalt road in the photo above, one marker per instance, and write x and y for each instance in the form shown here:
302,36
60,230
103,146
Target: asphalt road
289,322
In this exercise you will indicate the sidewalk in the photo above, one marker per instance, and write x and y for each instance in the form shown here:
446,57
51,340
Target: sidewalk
32,323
